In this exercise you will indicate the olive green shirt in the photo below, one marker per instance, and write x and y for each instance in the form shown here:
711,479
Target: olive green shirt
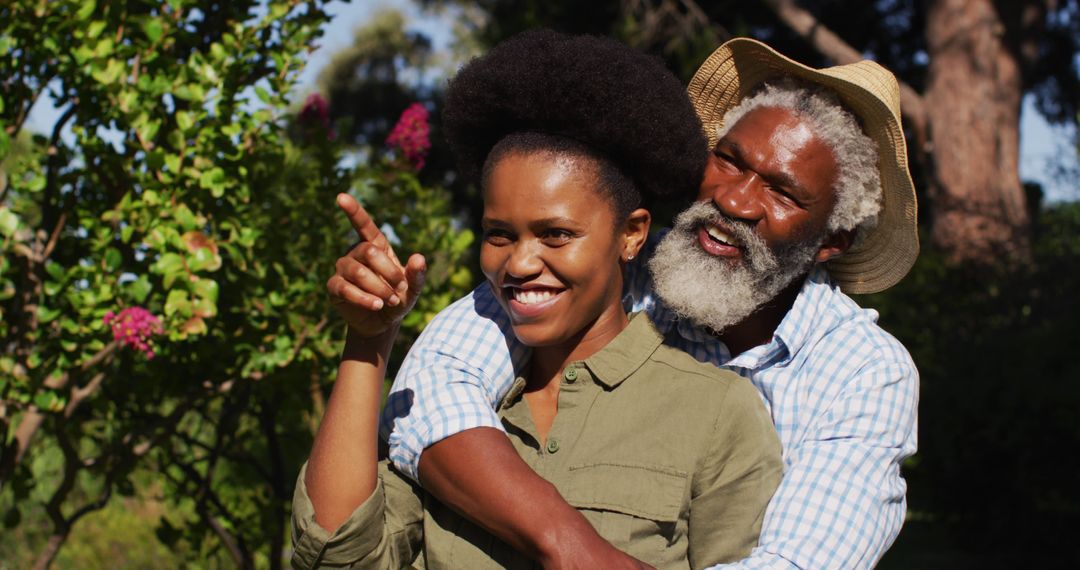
672,460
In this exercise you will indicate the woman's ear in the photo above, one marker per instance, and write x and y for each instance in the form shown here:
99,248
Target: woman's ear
635,232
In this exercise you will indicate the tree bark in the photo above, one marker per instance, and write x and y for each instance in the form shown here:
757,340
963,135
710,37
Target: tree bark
52,548
973,97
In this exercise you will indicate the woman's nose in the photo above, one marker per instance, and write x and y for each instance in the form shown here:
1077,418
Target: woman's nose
525,260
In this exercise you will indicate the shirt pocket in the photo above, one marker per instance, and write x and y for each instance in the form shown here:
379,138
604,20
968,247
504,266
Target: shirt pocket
639,508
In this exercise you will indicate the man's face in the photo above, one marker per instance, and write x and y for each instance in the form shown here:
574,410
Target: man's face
759,223
772,172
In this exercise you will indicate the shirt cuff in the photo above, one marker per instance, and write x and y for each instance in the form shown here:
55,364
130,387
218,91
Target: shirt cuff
357,537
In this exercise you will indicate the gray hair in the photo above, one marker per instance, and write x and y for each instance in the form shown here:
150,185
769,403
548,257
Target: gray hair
858,182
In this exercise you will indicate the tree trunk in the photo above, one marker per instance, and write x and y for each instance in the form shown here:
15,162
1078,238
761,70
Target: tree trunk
52,548
973,96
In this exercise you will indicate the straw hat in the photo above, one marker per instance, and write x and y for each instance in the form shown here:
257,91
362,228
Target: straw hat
886,252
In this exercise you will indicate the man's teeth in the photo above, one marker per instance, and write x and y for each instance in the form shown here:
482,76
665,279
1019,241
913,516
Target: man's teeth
533,296
720,236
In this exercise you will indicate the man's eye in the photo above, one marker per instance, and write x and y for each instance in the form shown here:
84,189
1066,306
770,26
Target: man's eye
784,197
724,160
497,237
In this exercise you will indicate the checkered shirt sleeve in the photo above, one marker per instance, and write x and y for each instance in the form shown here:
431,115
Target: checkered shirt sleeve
455,372
842,500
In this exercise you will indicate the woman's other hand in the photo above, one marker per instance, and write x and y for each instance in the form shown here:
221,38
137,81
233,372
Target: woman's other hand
370,288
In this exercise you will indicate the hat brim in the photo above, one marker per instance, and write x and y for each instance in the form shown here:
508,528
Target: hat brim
887,251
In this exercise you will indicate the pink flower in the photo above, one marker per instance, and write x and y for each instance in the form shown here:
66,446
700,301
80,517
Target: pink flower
410,135
316,112
134,327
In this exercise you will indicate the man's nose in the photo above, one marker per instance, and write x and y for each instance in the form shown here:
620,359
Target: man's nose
739,196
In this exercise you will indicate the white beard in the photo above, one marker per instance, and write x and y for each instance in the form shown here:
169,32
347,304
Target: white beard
708,290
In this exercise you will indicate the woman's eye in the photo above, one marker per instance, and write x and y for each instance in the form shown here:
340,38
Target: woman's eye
557,237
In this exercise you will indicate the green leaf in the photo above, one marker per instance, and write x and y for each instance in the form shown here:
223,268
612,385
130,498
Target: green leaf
36,184
206,289
149,130
9,222
150,198
55,270
214,181
45,314
185,120
177,302
113,259
153,29
109,74
204,259
169,263
183,216
140,289
86,10
48,400
94,29
172,162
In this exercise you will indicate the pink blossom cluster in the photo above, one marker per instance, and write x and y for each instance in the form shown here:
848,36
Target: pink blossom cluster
316,112
134,327
410,135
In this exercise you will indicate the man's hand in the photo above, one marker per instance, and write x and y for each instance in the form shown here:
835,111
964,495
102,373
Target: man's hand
478,473
370,288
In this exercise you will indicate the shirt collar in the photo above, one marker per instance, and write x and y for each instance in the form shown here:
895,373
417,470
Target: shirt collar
791,334
626,352
795,329
615,362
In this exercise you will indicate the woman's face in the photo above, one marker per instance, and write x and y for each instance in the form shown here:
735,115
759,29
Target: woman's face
551,251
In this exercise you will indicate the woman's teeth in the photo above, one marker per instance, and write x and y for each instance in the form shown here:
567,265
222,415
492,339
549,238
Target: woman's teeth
532,296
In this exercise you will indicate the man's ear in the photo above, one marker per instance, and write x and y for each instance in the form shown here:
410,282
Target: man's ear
835,245
635,232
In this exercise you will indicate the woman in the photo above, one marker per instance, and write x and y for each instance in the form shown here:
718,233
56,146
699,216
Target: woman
566,134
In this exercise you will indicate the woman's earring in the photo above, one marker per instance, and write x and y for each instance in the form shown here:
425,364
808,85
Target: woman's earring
630,257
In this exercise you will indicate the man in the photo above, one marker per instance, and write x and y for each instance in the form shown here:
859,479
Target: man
806,198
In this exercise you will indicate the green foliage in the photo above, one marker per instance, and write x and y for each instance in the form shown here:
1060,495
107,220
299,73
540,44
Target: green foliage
999,397
176,179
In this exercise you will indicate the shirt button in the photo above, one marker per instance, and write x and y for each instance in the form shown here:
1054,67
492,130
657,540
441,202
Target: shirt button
570,374
553,445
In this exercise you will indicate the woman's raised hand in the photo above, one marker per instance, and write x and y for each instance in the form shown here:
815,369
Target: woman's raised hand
370,288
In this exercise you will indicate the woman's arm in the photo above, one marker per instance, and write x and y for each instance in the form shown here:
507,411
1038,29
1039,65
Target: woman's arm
343,466
342,470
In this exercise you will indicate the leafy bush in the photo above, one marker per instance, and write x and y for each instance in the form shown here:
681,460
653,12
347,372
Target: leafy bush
163,258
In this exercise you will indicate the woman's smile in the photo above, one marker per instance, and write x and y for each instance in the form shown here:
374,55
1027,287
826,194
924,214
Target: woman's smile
526,303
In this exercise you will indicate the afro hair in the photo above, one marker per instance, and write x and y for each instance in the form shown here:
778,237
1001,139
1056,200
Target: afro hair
597,91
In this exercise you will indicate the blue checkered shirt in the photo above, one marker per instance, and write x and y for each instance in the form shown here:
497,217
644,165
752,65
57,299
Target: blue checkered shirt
842,393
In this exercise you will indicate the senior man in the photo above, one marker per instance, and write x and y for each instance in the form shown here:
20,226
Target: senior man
806,197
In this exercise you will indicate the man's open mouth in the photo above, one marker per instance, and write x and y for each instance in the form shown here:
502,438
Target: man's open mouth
715,241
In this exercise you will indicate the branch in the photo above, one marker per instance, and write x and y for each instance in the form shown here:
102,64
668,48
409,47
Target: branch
827,43
33,418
